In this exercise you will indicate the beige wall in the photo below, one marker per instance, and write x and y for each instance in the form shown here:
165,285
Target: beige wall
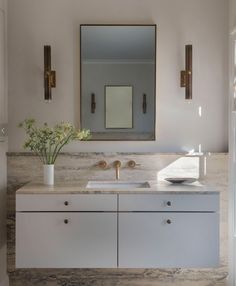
2,4
204,23
232,14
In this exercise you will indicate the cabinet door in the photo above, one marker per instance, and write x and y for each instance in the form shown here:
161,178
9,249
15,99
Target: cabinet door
149,240
46,240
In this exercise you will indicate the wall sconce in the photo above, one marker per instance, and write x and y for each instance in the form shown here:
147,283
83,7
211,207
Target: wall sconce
93,103
49,75
144,103
186,75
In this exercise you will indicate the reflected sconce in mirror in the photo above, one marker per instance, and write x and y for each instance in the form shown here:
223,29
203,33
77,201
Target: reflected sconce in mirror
93,103
186,75
144,103
49,75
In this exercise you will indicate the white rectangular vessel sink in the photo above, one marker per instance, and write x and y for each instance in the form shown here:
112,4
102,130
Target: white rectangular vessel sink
116,185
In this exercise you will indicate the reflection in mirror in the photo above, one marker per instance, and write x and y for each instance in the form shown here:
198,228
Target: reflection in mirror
119,110
118,77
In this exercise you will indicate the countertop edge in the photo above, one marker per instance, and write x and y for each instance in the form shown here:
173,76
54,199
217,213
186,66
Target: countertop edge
80,188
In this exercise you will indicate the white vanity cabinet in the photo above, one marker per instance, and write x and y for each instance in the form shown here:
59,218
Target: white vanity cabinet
110,230
168,231
66,231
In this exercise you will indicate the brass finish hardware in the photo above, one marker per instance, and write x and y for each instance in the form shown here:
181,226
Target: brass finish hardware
133,164
117,165
102,164
49,75
183,79
144,103
187,74
53,79
93,103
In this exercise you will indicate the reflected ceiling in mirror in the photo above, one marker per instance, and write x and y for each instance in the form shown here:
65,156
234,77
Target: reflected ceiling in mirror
118,81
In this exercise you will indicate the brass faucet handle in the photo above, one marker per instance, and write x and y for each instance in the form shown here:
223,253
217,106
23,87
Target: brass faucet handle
133,164
117,163
102,164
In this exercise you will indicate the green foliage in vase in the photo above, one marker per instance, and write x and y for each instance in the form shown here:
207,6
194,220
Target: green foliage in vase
47,141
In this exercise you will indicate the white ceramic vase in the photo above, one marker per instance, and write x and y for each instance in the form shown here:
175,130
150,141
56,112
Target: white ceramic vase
48,174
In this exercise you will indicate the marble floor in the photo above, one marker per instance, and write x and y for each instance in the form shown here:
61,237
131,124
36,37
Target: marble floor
155,277
22,168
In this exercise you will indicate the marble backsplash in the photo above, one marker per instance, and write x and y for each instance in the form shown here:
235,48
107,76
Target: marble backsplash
24,167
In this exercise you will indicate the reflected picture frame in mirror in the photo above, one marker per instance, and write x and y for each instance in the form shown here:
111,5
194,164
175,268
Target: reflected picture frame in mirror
118,107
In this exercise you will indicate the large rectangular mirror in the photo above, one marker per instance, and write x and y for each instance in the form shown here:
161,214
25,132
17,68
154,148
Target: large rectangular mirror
118,81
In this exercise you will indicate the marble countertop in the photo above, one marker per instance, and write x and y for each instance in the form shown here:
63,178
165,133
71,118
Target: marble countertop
79,187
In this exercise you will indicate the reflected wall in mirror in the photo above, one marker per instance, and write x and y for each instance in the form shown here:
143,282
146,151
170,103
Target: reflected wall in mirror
119,107
118,81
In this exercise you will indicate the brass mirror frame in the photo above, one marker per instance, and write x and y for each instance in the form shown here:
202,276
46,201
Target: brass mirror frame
155,56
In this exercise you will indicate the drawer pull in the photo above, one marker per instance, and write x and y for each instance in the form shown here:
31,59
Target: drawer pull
168,221
66,203
168,203
66,221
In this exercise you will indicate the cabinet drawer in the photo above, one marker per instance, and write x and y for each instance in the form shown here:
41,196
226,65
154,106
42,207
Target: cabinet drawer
62,202
173,202
66,240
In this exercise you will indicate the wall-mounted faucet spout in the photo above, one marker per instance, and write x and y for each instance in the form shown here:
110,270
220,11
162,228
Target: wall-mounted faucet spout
117,165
